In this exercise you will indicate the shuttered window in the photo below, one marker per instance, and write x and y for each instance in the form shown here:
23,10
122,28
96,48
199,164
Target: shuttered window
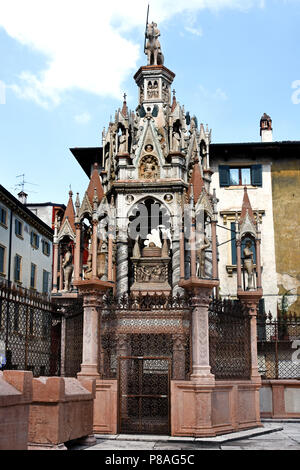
45,282
17,268
2,258
240,176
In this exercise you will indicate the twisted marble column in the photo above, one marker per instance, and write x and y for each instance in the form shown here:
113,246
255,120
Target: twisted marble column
122,266
176,267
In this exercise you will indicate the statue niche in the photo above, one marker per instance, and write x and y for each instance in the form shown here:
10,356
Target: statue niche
149,168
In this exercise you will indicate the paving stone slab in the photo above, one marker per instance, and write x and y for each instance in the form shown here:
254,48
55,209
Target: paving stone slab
141,437
122,445
240,434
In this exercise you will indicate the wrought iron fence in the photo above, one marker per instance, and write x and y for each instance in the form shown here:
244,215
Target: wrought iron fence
229,340
73,337
30,331
278,346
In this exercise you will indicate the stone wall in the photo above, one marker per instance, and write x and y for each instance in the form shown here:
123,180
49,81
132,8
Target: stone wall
280,399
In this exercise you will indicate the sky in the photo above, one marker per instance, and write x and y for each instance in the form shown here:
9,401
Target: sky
65,65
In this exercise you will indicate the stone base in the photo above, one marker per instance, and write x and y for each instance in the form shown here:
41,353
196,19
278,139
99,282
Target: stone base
87,440
280,399
105,407
46,446
200,410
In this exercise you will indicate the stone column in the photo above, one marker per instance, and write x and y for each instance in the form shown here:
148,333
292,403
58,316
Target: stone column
110,257
61,277
92,293
258,263
251,300
55,267
239,264
179,349
94,249
200,291
215,273
122,264
63,346
176,267
77,253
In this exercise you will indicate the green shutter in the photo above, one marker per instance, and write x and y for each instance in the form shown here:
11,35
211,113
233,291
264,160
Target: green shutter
1,260
256,175
224,175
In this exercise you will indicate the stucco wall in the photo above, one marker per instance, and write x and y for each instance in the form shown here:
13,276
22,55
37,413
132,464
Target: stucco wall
286,203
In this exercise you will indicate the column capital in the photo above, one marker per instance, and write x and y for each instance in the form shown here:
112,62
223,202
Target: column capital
200,289
250,299
92,290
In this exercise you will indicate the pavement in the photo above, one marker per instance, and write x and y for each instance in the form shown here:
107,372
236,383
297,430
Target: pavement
274,435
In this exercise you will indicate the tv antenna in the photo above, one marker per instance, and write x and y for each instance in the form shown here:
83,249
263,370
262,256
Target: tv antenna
21,185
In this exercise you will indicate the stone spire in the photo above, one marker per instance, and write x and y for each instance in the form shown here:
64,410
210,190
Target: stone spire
196,182
69,213
95,184
246,207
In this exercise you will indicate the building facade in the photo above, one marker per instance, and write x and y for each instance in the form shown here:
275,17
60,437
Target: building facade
25,246
270,171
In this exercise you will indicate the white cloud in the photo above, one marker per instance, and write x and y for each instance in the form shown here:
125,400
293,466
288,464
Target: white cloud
218,94
84,43
83,118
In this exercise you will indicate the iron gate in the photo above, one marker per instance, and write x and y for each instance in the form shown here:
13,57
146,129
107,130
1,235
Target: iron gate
144,391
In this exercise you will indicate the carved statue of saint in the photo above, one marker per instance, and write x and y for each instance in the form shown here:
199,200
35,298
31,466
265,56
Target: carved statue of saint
176,142
122,143
101,259
248,263
68,269
153,48
200,254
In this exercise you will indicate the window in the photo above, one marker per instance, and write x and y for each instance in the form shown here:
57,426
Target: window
18,228
17,268
33,276
45,282
34,239
2,260
46,247
3,216
240,176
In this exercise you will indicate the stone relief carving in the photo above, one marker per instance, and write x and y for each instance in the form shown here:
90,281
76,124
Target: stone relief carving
149,168
151,274
152,89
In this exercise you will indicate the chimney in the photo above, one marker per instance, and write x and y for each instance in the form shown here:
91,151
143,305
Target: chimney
266,131
23,197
